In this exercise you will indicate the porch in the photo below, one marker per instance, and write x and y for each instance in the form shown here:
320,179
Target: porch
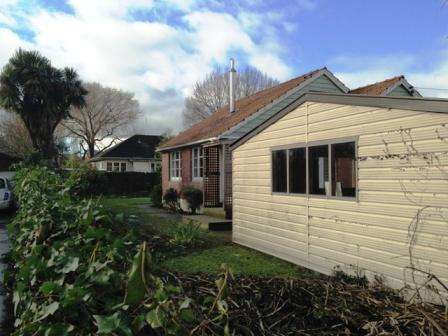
218,178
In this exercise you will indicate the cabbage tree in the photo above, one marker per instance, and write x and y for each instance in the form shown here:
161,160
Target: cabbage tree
41,95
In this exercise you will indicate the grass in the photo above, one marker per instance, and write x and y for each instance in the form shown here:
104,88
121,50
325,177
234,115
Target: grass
214,250
128,205
243,261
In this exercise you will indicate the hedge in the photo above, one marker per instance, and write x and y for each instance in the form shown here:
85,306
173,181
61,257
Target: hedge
90,182
130,183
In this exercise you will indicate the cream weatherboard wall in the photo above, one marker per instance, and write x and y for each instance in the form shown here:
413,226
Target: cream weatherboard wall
399,220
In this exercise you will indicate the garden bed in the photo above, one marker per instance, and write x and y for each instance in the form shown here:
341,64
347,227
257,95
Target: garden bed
78,268
336,305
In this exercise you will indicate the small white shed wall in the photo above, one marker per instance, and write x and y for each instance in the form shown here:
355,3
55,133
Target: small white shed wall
399,219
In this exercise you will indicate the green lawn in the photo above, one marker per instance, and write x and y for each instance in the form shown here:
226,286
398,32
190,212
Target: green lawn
128,205
242,261
213,250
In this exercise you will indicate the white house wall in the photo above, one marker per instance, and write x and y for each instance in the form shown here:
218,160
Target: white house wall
134,166
399,219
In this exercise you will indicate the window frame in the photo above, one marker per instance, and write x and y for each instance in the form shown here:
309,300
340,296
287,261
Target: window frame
116,165
306,145
197,169
179,175
152,167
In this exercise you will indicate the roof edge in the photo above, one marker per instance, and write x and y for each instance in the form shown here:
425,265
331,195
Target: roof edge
187,144
403,81
321,72
438,105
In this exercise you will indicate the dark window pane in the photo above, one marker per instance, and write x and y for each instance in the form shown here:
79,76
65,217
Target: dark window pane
343,174
279,171
318,170
297,171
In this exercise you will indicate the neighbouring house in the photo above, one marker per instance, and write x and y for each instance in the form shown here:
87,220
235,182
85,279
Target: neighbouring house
135,154
200,156
349,181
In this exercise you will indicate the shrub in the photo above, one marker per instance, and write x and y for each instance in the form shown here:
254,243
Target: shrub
194,198
70,262
85,181
171,199
156,196
185,234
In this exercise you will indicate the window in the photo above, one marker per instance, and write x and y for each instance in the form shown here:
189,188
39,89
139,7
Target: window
116,166
175,167
322,169
109,166
2,183
279,171
297,171
123,167
152,167
343,173
197,162
318,170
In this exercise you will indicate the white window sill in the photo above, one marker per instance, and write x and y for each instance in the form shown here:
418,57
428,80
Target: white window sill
175,179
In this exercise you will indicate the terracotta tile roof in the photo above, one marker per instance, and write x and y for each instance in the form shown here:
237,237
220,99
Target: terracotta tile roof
222,119
379,88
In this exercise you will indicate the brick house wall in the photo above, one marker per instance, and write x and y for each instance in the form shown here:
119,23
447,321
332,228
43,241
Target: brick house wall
186,172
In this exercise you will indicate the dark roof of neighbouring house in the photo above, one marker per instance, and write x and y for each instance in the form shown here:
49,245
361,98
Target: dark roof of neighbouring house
137,146
222,120
385,87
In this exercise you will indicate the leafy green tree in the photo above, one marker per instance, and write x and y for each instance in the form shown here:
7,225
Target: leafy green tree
41,95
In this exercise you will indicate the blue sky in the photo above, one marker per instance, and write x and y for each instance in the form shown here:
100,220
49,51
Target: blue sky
158,49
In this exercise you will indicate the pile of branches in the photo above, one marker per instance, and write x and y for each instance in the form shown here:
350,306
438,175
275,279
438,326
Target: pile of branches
76,270
323,306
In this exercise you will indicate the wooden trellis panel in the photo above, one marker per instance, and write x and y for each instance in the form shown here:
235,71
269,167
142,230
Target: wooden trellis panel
211,177
228,181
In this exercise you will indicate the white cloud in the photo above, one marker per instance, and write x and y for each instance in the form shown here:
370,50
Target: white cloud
361,71
6,12
108,8
157,61
9,42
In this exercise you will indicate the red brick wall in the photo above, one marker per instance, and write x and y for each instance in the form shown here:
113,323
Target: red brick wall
165,171
186,172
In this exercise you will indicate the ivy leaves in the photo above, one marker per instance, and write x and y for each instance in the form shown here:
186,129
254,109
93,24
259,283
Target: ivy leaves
69,263
137,286
77,272
114,323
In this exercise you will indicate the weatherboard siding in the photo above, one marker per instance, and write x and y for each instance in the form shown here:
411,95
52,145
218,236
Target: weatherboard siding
402,173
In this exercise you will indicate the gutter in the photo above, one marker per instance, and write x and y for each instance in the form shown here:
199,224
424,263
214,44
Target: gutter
197,142
102,158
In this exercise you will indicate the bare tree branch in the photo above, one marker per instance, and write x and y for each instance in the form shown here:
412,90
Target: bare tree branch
213,92
107,113
15,138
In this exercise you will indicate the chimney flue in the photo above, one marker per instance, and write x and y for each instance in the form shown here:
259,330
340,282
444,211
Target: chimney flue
232,73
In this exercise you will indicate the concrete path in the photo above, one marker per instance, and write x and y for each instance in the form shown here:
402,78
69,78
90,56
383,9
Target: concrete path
203,220
4,248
